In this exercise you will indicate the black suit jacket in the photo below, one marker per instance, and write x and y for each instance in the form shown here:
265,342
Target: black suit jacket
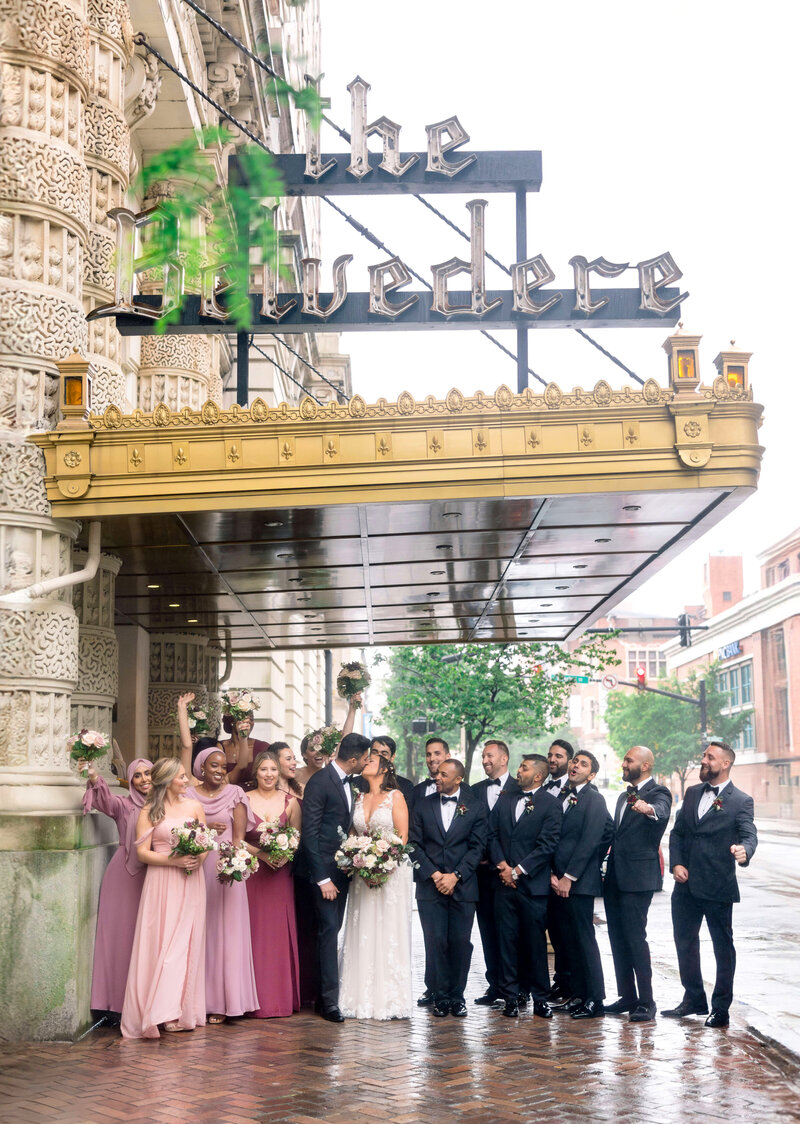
704,846
633,859
586,830
407,789
461,848
529,841
481,790
325,810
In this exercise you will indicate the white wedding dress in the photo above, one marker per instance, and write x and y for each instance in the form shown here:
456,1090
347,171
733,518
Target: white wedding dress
375,956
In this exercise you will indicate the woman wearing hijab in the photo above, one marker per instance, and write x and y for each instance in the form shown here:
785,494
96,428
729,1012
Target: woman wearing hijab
122,883
230,979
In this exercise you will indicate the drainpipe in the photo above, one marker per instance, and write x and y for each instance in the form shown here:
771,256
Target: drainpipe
328,687
78,577
228,660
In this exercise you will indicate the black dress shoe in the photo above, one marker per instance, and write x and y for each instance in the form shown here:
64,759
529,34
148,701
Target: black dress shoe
684,1009
459,1009
511,1009
621,1007
441,1009
488,998
592,1009
641,1013
334,1015
426,999
568,1006
717,1018
542,1009
557,993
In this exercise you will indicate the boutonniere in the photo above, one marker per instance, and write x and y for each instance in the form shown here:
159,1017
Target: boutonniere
461,810
572,800
631,798
716,804
528,805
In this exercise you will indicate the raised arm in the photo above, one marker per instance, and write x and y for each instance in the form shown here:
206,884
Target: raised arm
352,710
186,734
400,815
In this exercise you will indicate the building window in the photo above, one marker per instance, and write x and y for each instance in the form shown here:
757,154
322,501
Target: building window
783,570
746,671
724,681
734,688
727,595
746,738
653,661
778,650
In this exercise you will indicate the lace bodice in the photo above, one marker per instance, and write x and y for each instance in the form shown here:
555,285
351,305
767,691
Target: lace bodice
381,817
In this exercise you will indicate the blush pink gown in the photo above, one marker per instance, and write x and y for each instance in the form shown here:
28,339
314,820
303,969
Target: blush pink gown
230,979
166,980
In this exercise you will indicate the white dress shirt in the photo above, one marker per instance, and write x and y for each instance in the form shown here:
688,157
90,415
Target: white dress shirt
449,809
430,787
520,808
493,790
650,815
560,781
708,798
566,803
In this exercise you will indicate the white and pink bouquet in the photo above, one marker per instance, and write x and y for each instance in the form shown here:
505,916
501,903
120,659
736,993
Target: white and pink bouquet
351,680
324,741
239,703
192,838
278,842
374,857
235,864
86,746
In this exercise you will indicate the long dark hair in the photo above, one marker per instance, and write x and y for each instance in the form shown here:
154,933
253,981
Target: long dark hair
389,782
294,785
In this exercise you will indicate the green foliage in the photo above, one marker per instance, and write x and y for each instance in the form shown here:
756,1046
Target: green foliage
492,690
669,727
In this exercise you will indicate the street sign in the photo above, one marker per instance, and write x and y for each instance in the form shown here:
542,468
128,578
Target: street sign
609,682
577,678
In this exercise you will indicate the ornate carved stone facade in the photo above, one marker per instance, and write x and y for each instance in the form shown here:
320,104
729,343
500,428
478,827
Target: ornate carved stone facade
98,651
178,663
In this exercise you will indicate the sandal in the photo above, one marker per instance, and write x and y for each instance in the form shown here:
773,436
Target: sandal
172,1028
216,1020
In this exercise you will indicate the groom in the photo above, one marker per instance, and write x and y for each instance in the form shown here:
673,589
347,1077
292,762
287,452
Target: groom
327,806
448,834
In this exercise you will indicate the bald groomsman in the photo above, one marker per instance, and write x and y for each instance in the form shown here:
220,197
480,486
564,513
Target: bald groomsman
633,874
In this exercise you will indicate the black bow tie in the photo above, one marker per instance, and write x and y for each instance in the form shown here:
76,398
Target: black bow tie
346,780
553,784
449,799
633,790
495,782
711,788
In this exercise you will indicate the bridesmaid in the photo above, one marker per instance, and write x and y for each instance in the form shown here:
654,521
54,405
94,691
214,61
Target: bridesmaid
270,896
287,764
314,759
122,883
166,980
240,748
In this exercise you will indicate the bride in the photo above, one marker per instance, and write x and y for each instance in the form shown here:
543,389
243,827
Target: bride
375,958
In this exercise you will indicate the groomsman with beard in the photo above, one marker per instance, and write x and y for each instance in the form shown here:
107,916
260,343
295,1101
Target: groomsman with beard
559,756
586,830
633,874
436,753
328,802
524,829
448,836
498,780
713,833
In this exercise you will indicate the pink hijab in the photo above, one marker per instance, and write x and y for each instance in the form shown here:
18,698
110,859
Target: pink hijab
132,864
225,799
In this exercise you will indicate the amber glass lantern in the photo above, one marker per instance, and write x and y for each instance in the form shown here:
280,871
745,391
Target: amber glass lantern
733,368
684,361
76,392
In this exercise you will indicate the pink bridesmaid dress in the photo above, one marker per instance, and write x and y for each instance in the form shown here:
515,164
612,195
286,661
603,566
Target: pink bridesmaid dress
166,981
119,893
230,978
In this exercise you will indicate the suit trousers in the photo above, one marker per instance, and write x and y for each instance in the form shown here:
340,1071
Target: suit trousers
626,914
687,916
488,886
521,921
576,922
446,927
562,977
329,917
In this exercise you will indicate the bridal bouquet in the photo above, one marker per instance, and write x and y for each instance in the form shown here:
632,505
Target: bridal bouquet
373,857
86,746
192,838
352,679
239,703
279,842
235,864
324,741
197,719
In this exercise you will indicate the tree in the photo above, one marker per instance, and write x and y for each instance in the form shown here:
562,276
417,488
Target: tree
669,727
501,690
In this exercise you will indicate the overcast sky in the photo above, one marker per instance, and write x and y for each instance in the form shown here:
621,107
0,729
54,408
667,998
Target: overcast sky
662,127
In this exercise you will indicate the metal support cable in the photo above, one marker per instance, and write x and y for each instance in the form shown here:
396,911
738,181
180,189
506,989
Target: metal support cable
283,371
311,367
608,355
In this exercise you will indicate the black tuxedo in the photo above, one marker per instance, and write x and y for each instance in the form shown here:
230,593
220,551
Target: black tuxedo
325,811
488,885
418,793
703,847
407,789
521,911
633,874
586,830
561,978
447,919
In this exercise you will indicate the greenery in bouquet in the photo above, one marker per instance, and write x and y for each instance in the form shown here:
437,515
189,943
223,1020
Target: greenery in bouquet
352,680
279,843
373,857
325,740
235,864
239,704
192,838
87,746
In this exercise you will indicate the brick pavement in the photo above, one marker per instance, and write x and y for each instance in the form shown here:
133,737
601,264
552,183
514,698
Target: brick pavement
483,1068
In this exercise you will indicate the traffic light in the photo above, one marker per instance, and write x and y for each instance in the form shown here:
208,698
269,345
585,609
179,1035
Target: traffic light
685,630
641,678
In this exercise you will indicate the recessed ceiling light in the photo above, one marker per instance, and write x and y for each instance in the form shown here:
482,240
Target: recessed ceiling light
295,579
285,555
309,616
533,620
579,566
522,634
602,540
546,604
306,598
274,523
191,620
434,593
444,546
436,573
174,604
452,515
562,587
154,586
632,507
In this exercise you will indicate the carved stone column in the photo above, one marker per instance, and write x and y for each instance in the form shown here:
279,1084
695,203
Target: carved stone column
98,652
178,663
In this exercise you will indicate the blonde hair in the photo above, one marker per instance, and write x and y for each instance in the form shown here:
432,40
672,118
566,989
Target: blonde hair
164,773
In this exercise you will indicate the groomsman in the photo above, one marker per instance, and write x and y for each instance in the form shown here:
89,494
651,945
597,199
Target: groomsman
448,834
633,874
559,756
713,833
524,828
387,747
328,806
576,881
436,751
498,780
